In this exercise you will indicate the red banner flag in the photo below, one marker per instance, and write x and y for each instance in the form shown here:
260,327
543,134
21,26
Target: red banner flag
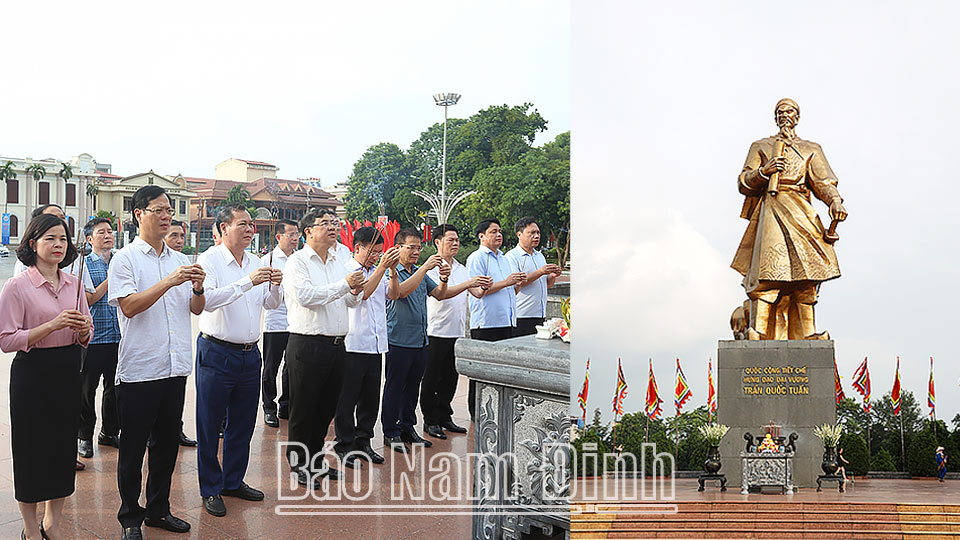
653,396
621,391
682,392
861,383
836,381
895,394
584,390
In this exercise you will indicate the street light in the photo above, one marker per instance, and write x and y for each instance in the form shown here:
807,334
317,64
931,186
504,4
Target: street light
440,204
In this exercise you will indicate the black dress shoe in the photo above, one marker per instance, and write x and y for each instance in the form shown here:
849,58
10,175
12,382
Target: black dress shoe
283,414
349,459
435,431
186,441
170,523
412,438
108,440
303,479
271,420
244,492
131,533
453,428
80,466
214,506
330,473
85,448
395,444
367,452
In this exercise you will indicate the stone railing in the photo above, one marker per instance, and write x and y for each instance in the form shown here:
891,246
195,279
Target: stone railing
522,430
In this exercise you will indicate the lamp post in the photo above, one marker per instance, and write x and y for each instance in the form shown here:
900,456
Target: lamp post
440,204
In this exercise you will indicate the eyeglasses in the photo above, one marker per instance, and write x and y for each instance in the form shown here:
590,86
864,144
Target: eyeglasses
161,211
294,234
413,248
325,224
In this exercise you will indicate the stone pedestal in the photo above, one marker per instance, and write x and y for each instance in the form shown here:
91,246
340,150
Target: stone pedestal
790,383
522,430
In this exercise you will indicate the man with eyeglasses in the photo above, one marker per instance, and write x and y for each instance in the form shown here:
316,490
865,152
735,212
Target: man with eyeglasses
409,286
156,289
532,293
365,345
237,289
275,335
318,289
101,358
493,316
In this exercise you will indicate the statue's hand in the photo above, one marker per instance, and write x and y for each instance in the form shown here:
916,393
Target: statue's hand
774,165
837,211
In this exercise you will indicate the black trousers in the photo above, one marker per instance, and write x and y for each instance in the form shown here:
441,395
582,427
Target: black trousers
99,362
439,381
485,334
274,345
359,401
145,407
315,364
401,389
526,326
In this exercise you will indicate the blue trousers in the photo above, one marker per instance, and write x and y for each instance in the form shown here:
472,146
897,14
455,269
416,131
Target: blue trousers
228,384
401,389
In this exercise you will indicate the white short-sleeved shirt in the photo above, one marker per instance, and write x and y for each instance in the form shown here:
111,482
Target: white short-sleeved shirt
317,294
531,298
233,303
156,343
368,319
276,319
448,318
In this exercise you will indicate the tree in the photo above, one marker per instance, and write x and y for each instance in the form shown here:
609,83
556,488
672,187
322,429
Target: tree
883,461
855,451
6,174
93,189
239,195
108,215
921,454
589,463
65,172
381,180
539,186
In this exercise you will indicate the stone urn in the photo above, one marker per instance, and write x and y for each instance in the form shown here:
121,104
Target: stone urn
712,463
830,463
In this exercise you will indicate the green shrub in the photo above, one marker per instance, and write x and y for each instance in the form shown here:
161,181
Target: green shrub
883,461
921,460
855,451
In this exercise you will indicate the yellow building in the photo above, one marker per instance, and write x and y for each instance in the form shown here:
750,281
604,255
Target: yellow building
116,197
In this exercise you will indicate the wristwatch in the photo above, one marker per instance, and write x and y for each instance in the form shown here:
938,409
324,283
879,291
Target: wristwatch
198,293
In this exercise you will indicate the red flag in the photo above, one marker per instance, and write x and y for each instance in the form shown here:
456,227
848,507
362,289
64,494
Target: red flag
653,396
931,394
711,393
682,393
895,395
621,390
861,383
582,396
836,382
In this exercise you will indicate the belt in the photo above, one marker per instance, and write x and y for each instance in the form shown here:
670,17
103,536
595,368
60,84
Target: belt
238,346
332,340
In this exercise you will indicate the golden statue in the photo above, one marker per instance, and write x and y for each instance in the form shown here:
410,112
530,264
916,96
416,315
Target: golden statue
785,252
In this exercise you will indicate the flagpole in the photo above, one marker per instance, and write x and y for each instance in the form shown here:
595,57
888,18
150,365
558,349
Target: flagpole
903,454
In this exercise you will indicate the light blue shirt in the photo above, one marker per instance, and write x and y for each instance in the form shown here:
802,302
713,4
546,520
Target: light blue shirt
532,298
495,310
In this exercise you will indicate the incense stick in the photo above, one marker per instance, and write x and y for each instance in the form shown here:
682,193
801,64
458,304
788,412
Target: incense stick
82,249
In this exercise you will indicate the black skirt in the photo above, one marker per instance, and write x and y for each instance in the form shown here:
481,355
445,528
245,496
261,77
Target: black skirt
44,418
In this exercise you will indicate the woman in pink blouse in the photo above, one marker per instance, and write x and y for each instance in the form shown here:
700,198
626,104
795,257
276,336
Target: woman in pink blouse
44,321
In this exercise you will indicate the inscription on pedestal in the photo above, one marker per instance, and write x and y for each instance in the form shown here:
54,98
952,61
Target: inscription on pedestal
790,383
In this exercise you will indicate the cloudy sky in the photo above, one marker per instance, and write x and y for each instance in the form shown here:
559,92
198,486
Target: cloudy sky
667,98
180,86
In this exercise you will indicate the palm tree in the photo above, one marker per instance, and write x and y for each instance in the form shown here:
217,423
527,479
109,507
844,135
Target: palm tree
65,173
38,173
7,173
93,189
